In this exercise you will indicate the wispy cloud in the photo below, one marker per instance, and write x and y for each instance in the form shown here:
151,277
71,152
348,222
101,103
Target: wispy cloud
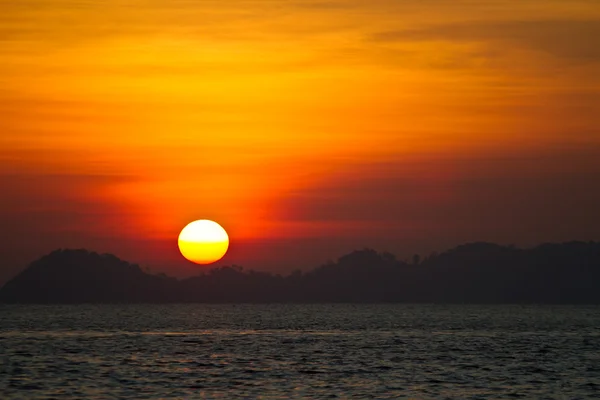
570,40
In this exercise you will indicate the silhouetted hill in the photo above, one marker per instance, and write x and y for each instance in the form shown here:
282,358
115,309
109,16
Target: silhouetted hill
74,276
471,273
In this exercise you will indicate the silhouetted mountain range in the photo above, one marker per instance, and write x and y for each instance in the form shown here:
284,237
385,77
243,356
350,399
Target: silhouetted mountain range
471,273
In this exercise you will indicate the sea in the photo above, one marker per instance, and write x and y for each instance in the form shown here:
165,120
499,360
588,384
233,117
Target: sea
321,351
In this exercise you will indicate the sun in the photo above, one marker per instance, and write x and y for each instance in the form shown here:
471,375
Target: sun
203,242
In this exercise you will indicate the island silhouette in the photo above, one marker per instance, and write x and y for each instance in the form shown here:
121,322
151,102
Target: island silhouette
566,273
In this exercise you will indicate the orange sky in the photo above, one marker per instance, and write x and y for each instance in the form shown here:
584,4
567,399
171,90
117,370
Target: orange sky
306,128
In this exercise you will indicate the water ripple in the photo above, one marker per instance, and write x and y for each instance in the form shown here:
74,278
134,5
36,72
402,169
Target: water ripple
316,351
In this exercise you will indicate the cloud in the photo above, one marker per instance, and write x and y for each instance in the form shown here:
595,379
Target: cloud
523,196
575,41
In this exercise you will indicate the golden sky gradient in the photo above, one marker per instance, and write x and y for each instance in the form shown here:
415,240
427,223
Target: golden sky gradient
390,123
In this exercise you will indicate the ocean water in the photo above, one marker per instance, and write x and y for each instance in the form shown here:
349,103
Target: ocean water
299,351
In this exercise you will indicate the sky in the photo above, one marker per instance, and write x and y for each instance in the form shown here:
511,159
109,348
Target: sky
307,129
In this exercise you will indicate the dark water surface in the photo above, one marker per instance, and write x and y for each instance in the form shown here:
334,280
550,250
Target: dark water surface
300,351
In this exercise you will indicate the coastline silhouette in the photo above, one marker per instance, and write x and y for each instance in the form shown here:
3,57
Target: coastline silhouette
471,273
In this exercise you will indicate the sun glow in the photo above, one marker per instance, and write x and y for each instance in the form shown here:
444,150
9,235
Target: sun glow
203,242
